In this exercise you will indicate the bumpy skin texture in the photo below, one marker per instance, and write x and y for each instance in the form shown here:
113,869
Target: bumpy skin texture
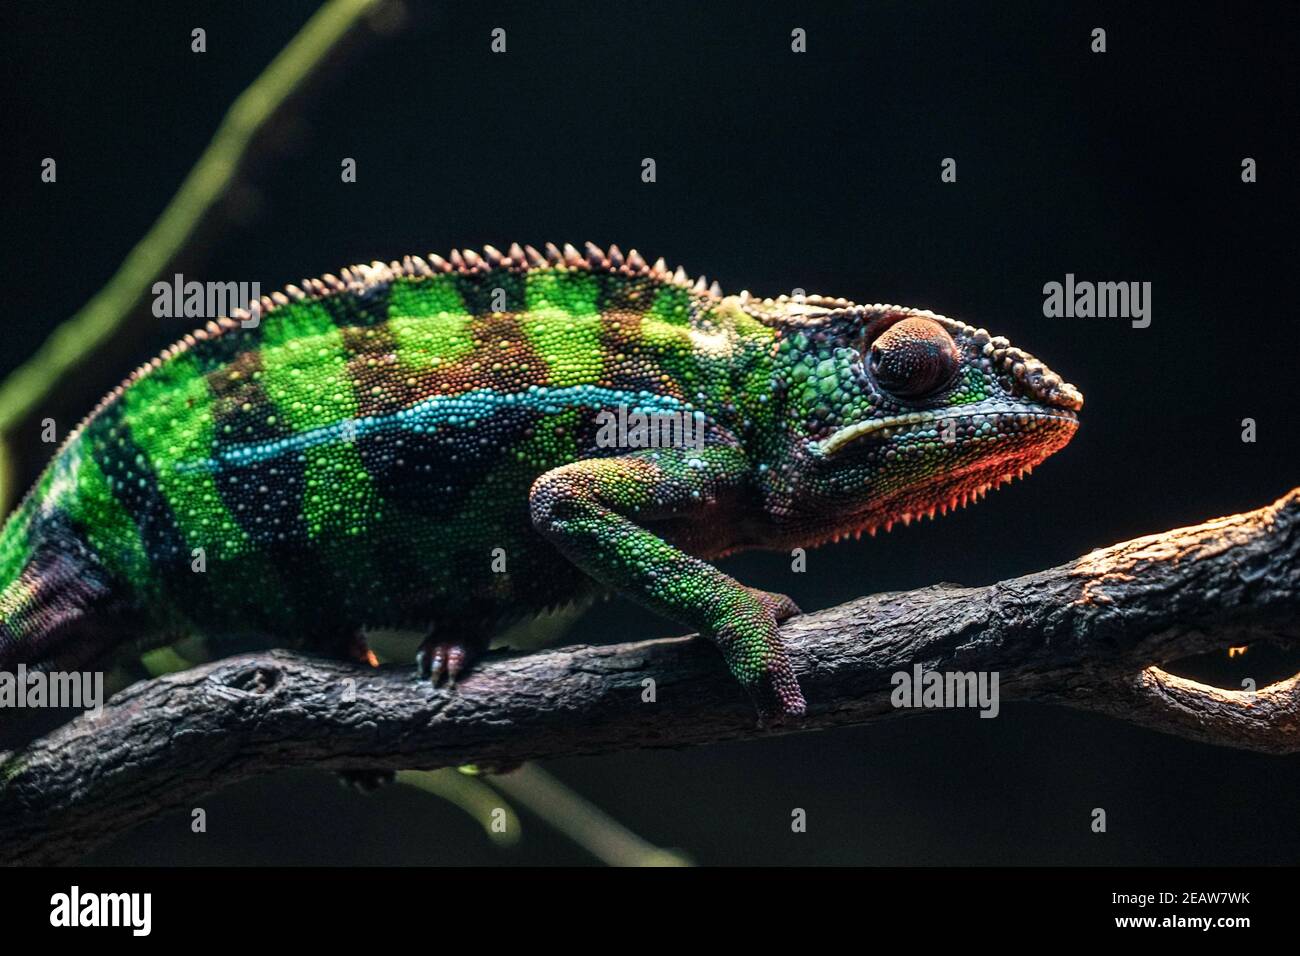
358,456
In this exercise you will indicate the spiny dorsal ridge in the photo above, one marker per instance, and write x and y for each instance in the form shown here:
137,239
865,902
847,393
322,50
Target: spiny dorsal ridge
366,278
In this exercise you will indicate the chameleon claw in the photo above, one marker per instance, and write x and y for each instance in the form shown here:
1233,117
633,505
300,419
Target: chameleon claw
456,658
777,695
782,712
788,706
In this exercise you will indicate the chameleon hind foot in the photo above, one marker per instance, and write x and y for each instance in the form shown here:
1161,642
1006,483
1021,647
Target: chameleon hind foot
443,661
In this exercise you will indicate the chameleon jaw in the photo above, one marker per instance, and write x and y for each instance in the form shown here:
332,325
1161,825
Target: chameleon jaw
990,408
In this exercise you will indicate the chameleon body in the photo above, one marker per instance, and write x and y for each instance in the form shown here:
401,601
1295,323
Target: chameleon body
426,444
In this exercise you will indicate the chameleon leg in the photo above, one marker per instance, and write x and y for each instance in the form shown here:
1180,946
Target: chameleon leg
590,510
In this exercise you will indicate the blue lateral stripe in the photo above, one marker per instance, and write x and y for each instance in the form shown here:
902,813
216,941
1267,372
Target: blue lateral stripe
457,411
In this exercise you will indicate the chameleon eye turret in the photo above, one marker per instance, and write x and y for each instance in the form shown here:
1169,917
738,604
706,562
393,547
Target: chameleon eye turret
422,444
914,358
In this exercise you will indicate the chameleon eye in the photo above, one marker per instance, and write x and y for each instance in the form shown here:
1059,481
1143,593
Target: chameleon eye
913,358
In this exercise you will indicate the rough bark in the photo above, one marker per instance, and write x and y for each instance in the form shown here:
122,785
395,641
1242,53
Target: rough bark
1090,634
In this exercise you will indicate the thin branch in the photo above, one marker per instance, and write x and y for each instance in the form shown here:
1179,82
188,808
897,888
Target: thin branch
1088,634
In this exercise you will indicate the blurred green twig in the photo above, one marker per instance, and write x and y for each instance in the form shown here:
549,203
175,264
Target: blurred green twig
572,815
77,338
581,820
473,796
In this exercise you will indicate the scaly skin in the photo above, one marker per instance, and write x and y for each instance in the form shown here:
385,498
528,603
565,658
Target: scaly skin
356,458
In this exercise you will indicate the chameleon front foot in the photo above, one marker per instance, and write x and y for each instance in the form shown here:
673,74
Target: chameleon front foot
781,607
753,651
775,691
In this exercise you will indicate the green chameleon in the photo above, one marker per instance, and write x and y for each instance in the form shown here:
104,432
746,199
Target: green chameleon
428,444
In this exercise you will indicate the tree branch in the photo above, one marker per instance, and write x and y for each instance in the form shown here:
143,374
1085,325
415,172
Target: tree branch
1088,634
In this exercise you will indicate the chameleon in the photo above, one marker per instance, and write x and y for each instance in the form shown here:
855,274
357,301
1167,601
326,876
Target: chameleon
425,444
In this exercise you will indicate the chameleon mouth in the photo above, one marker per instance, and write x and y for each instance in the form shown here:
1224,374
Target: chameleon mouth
997,442
927,503
947,492
992,412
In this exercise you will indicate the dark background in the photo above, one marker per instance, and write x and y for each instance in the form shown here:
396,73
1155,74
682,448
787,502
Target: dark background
775,170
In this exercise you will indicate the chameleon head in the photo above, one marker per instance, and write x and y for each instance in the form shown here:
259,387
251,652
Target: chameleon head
907,413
